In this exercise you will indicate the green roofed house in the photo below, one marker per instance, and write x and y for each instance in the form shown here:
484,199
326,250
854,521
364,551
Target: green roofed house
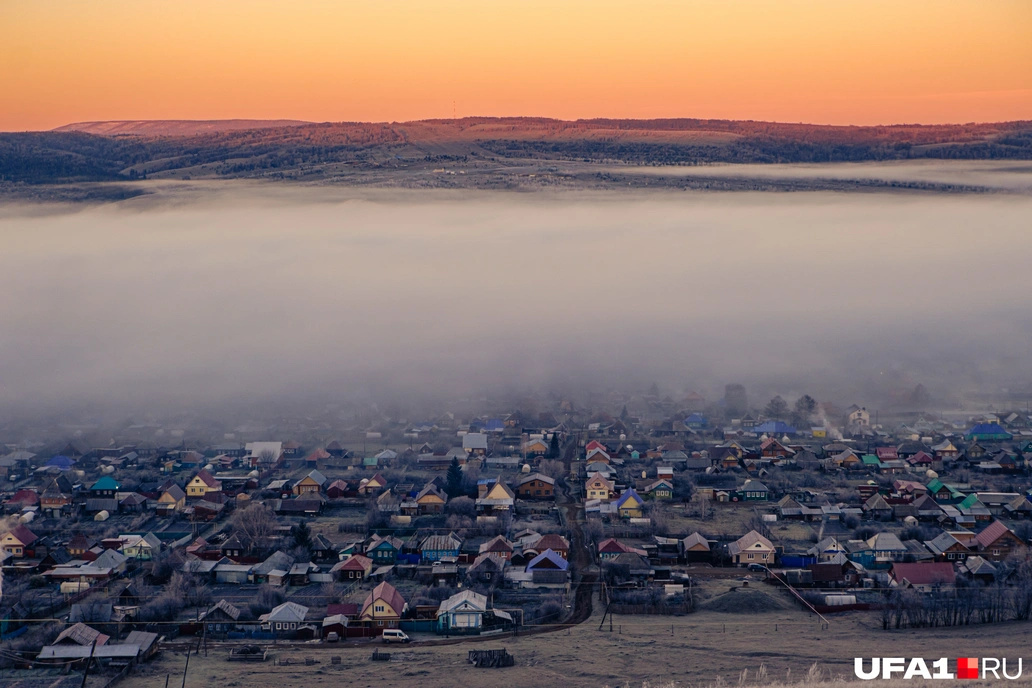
973,507
871,462
943,493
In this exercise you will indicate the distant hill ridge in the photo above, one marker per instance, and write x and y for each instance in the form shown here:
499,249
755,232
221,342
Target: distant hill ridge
130,149
175,127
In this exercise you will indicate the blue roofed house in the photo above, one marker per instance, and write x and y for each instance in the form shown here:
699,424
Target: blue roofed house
988,432
774,427
630,504
696,421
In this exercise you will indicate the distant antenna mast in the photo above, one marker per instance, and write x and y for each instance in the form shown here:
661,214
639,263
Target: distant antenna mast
453,110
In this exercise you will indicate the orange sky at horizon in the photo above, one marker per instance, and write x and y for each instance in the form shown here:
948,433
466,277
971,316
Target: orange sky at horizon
830,62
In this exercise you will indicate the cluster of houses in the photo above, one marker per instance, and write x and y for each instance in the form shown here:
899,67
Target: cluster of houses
626,470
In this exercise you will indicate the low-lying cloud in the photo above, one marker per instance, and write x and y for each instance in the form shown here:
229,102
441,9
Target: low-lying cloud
240,293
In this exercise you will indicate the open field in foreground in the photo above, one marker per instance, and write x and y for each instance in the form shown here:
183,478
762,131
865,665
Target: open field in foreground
699,649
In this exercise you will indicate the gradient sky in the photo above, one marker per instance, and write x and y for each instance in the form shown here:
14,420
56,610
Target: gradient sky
823,61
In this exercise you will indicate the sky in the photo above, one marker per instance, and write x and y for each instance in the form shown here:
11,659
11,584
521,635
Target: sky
861,62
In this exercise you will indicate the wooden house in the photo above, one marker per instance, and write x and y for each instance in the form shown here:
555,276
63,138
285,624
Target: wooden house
383,607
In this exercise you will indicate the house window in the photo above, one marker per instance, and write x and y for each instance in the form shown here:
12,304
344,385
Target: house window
379,607
950,555
996,552
379,623
750,555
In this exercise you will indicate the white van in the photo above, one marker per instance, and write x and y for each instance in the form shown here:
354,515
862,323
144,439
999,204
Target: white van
393,635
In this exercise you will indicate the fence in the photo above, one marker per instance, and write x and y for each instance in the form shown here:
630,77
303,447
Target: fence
650,609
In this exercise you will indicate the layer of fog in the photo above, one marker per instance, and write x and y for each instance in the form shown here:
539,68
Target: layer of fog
248,293
1002,175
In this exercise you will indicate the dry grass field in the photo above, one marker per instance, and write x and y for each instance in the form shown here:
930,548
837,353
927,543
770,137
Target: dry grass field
771,640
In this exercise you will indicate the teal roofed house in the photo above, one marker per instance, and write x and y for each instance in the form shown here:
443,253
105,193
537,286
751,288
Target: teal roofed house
943,493
972,506
988,432
871,461
105,488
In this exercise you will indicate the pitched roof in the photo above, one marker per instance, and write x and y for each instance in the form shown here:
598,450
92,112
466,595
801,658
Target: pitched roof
474,599
694,540
207,478
386,592
105,482
81,634
548,557
993,532
25,536
924,573
551,541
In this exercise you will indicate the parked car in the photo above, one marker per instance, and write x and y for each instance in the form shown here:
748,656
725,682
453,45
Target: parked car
393,635
332,637
757,567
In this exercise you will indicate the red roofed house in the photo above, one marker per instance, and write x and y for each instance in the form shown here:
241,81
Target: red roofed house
18,542
997,542
922,575
383,607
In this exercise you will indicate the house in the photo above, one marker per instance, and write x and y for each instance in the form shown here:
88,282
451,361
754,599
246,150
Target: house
660,489
548,568
311,483
372,485
877,508
263,454
104,488
943,493
437,547
610,548
383,607
141,548
752,491
988,432
474,443
535,486
598,487
946,547
462,613
431,499
172,500
826,550
18,542
355,567
284,620
630,504
771,448
337,489
486,568
556,543
384,550
54,499
922,575
972,507
220,618
535,447
998,542
751,548
886,548
202,483
498,499
497,546
81,634
695,548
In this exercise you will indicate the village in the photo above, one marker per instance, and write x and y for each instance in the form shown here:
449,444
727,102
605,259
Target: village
501,525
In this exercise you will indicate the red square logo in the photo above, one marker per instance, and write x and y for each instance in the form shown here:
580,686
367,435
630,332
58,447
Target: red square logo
967,667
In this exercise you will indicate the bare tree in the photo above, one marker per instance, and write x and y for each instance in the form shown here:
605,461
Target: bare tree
253,525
